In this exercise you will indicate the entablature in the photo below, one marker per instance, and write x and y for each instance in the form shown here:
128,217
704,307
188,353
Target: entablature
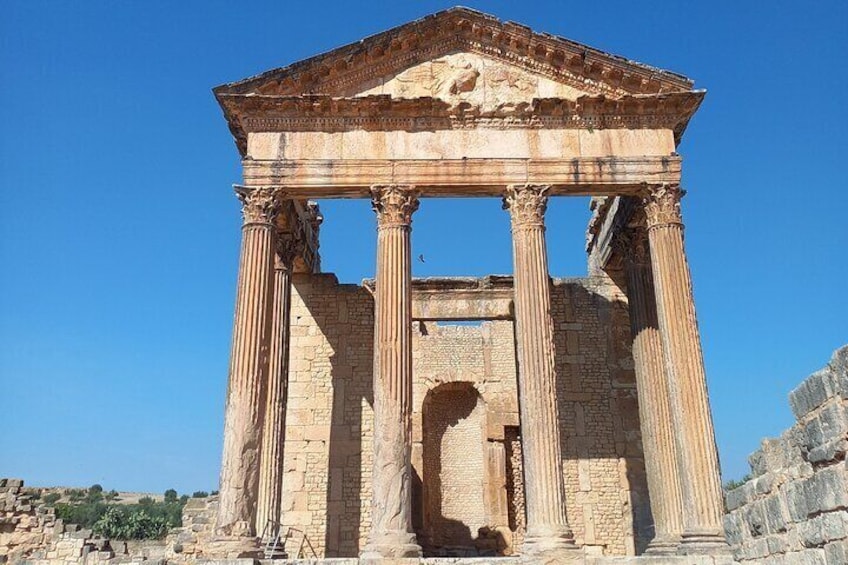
462,177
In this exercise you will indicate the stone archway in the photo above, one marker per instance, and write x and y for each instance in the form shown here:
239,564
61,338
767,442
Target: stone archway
454,453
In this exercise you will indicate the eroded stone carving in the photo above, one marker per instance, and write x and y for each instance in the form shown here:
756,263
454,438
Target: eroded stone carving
472,79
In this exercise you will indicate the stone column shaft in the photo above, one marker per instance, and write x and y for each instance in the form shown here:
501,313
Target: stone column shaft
547,527
273,434
697,456
391,505
247,390
658,438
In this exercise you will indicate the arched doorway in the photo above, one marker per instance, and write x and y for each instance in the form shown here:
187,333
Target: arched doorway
454,469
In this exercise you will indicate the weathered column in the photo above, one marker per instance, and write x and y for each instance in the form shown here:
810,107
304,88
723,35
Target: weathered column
391,504
247,390
547,528
697,457
273,433
652,387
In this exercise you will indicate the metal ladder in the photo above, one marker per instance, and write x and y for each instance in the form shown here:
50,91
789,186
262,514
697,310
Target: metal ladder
302,545
271,546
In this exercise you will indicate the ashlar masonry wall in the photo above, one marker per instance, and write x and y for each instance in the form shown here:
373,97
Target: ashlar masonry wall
794,511
326,485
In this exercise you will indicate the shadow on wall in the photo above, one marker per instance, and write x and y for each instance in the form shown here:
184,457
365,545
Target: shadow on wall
454,456
599,418
598,415
345,317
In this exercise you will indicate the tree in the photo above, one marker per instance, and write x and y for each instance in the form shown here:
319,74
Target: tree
170,495
95,488
199,494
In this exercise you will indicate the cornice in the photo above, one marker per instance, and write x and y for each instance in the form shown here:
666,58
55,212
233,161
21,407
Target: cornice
456,29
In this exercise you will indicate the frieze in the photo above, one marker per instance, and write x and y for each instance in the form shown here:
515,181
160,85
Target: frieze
381,113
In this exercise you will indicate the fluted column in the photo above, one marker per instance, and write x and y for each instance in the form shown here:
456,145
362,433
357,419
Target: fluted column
247,390
652,386
547,528
697,457
391,504
273,433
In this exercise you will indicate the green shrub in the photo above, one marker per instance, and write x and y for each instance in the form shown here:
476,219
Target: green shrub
118,523
734,484
170,495
199,494
51,498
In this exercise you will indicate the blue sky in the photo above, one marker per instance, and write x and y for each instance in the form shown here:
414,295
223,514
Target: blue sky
119,232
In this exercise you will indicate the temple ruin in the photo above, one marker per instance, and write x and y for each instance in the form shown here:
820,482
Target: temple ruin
572,422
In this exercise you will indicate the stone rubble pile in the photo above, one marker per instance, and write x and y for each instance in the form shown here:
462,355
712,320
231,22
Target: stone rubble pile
188,542
794,511
24,526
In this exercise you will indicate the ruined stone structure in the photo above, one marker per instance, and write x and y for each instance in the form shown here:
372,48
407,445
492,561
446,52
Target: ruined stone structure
570,421
794,510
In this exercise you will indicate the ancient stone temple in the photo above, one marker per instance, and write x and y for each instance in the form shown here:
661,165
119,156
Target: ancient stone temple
569,421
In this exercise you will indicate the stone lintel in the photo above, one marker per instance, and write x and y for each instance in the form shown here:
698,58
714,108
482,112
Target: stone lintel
353,178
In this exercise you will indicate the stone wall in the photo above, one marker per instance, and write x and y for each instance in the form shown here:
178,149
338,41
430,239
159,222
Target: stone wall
326,486
24,526
794,511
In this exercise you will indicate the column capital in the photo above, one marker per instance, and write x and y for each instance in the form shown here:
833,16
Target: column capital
289,246
394,204
662,205
527,204
260,205
632,245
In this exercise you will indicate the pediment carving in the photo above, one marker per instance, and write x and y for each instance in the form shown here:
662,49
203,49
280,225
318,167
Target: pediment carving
471,79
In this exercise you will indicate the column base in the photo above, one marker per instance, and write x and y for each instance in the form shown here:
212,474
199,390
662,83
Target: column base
233,547
704,542
550,548
666,545
391,545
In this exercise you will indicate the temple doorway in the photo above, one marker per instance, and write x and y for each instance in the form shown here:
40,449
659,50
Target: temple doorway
454,453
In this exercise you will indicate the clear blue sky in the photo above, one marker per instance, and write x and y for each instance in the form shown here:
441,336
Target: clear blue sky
120,232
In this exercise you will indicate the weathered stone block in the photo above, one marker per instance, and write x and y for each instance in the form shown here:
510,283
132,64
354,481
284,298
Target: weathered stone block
776,514
827,490
823,384
733,529
836,553
825,437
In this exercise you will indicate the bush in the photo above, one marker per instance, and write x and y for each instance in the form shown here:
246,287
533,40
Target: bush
170,495
111,495
199,494
733,484
117,523
51,498
95,488
75,494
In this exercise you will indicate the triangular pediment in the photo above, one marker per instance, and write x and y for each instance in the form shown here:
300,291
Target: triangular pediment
459,54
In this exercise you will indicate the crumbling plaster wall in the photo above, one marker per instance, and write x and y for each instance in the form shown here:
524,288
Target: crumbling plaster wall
326,485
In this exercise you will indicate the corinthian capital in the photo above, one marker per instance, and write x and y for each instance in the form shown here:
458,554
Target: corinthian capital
394,204
289,247
526,204
259,205
662,205
632,245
